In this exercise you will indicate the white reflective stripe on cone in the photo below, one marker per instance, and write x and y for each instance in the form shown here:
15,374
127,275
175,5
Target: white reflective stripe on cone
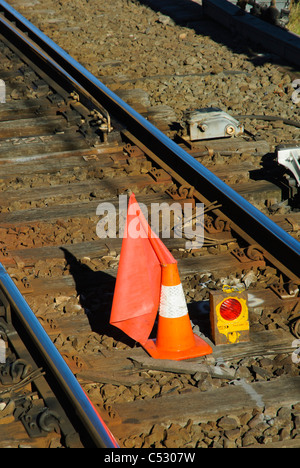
172,302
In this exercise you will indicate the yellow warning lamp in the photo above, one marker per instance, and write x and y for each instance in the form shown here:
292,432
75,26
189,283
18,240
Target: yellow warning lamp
229,316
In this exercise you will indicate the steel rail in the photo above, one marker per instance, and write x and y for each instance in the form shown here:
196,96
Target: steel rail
248,221
92,421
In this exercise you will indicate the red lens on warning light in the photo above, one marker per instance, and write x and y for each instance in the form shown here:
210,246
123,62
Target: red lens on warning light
230,309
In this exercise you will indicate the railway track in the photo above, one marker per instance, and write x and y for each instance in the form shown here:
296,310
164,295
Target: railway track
63,153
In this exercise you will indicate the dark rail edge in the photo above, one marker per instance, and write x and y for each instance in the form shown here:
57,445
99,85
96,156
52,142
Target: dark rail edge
95,427
249,221
274,39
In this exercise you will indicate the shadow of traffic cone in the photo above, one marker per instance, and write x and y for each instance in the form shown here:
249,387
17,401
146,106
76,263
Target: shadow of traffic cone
175,338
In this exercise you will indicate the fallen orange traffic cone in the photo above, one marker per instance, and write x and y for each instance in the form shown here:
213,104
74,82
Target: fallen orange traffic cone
175,338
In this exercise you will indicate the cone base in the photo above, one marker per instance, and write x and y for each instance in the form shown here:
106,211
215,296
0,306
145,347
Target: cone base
201,348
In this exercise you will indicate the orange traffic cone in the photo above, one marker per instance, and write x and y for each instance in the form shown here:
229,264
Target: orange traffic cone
175,338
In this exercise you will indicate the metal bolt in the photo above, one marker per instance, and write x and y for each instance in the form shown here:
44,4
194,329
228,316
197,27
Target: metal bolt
230,130
203,127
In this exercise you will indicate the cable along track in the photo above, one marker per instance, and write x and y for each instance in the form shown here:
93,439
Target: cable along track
67,273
